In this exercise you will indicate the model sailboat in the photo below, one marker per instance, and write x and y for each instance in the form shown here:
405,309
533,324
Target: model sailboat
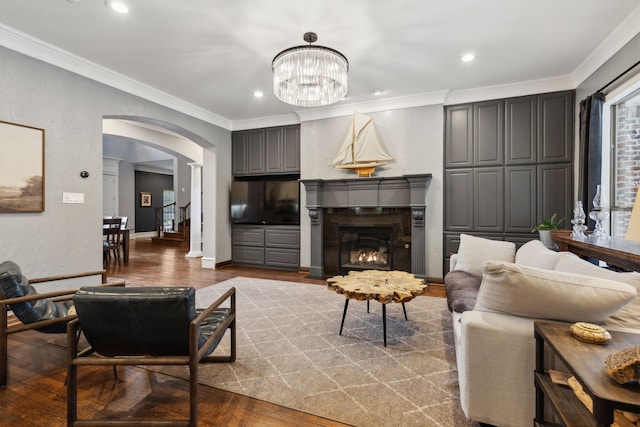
361,151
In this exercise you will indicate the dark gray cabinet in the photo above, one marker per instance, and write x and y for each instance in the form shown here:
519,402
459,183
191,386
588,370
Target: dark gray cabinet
269,246
521,131
267,151
555,127
458,149
488,133
508,164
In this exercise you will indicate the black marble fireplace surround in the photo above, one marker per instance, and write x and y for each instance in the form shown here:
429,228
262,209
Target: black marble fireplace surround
396,202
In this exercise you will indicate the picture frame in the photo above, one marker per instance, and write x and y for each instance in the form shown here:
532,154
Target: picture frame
145,199
21,168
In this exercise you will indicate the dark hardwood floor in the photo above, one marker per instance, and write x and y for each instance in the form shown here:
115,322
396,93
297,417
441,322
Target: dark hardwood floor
36,393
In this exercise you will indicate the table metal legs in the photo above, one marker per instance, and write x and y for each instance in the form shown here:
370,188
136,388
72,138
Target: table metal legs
384,317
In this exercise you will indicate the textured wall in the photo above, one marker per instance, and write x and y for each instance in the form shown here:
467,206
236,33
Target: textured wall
66,237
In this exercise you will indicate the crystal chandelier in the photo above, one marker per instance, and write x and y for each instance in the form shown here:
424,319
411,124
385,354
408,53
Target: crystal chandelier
310,76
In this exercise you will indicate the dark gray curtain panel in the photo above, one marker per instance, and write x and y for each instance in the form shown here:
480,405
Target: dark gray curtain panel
590,162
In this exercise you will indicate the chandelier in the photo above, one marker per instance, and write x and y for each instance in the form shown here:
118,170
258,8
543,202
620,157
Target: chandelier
310,76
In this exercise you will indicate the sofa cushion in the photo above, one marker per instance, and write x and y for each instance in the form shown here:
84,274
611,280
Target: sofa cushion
462,290
629,315
535,254
554,295
473,252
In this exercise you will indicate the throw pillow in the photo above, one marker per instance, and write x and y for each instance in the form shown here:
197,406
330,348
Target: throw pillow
629,315
535,254
554,295
462,290
475,251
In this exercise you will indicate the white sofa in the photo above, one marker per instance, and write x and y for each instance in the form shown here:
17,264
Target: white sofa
494,342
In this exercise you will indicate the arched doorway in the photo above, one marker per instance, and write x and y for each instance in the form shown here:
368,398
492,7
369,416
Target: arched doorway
139,143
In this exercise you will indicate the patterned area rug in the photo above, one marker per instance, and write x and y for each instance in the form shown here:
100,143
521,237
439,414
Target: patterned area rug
290,354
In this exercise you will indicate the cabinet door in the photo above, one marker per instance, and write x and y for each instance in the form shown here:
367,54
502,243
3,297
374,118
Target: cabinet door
458,148
291,149
521,130
239,153
488,133
520,198
488,199
273,150
459,200
554,193
256,151
555,127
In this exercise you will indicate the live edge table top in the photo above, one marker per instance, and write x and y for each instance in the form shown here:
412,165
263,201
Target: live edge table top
379,285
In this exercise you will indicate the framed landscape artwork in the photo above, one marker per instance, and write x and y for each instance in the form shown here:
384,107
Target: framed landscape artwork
21,168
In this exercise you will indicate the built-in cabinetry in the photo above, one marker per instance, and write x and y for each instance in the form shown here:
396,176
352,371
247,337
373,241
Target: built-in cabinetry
267,151
264,153
508,164
270,246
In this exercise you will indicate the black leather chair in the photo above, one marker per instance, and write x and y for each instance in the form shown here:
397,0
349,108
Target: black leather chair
146,326
46,312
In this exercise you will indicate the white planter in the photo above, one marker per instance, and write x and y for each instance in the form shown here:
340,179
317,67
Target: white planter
545,238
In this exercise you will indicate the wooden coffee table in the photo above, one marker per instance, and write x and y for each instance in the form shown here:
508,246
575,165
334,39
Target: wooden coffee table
382,286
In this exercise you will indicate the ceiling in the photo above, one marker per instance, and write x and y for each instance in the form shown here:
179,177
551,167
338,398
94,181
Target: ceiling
208,57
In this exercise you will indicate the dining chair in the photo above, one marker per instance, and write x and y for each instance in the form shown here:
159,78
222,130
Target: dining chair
111,230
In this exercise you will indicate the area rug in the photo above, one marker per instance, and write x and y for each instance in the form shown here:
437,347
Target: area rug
290,353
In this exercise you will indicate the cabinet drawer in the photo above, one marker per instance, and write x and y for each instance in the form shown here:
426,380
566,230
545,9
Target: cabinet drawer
248,255
286,258
248,236
280,238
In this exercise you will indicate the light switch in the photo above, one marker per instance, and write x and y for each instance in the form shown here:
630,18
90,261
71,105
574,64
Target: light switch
72,197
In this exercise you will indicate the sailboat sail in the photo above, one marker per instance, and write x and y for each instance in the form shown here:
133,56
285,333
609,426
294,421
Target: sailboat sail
361,145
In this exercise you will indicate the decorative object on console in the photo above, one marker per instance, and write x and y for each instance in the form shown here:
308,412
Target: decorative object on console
544,229
599,214
310,76
361,150
624,365
578,222
633,229
588,332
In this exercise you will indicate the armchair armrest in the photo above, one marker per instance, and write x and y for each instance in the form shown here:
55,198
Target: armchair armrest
214,339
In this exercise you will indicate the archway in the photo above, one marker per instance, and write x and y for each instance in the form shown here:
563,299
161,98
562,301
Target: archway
150,135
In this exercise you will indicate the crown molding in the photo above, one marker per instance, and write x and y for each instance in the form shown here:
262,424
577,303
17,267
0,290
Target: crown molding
337,110
626,31
38,49
511,90
265,122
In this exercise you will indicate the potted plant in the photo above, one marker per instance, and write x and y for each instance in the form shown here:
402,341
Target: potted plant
544,229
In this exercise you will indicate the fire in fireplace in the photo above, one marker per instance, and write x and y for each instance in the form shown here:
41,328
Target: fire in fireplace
365,248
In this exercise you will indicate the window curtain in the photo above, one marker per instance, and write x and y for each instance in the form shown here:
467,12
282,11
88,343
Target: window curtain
590,150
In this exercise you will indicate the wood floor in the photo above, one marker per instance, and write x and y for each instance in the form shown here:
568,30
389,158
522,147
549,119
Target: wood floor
36,393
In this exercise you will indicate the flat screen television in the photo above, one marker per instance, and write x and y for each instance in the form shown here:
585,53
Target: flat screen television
265,201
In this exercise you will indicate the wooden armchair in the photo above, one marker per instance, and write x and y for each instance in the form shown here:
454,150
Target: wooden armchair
146,326
45,312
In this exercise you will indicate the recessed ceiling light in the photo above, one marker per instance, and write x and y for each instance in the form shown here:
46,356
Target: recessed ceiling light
376,92
468,57
258,94
117,6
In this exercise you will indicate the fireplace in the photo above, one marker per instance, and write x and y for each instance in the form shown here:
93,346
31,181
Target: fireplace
372,204
365,248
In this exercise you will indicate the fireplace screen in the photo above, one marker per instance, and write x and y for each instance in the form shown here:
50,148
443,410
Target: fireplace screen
365,248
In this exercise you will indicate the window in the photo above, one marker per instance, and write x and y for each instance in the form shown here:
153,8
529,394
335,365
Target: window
622,171
169,210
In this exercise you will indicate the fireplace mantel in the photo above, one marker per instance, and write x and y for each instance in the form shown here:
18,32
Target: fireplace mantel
406,191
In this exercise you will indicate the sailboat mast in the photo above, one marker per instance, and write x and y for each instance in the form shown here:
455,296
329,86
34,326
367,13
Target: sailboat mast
353,140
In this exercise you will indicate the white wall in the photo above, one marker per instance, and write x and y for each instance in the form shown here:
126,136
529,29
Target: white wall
413,136
66,238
